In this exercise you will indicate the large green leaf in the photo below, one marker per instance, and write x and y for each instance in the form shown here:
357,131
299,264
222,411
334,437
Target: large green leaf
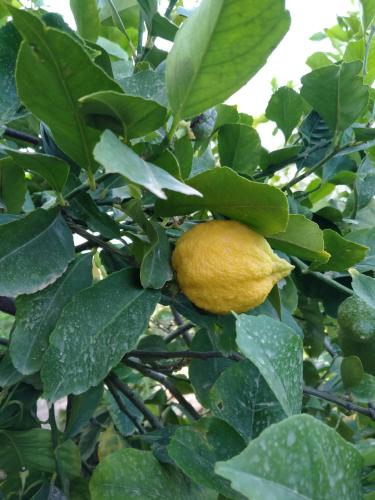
277,351
54,170
131,473
344,253
297,459
219,48
50,60
285,108
34,251
302,238
9,44
37,314
95,330
118,158
239,147
337,93
261,206
364,237
130,115
12,186
242,398
86,16
195,450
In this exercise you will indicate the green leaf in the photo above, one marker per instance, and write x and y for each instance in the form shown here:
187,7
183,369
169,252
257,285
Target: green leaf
42,64
261,206
336,92
163,27
204,373
242,398
34,251
9,376
351,370
239,147
147,84
285,108
95,330
195,451
116,157
297,459
122,422
365,237
81,410
302,238
86,16
355,51
85,208
155,268
129,115
344,253
38,313
12,186
363,286
276,350
365,183
317,60
10,42
368,12
183,150
134,473
219,48
54,170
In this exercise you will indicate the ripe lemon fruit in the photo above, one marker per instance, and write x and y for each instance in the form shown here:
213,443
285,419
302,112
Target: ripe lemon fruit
224,266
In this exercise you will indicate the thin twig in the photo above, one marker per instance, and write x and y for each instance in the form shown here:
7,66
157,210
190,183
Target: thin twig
7,306
170,7
163,379
122,406
179,322
179,331
322,277
21,136
136,400
119,23
348,405
182,354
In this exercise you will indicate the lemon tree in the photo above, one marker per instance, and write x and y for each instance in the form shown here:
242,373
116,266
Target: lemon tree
184,313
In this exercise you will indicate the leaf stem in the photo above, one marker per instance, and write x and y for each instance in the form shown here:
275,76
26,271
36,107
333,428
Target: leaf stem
322,277
172,131
21,136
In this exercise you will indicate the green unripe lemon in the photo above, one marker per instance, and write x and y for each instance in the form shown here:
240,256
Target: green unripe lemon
356,320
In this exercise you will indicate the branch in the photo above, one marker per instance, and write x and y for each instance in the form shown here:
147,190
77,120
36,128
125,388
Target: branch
322,277
182,354
180,322
21,136
7,306
179,331
170,7
136,400
163,379
348,405
122,406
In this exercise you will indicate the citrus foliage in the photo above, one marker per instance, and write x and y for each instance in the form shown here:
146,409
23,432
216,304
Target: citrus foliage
111,149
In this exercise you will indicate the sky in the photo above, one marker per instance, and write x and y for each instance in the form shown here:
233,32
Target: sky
286,63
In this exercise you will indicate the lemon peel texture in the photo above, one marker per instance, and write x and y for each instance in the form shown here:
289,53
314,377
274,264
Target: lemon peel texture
224,266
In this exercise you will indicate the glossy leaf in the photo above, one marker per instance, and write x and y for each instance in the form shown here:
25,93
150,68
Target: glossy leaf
302,238
86,16
122,422
365,237
242,397
38,313
299,458
195,451
336,92
54,170
81,410
116,157
276,350
219,48
363,286
285,108
10,42
365,183
43,65
9,376
95,330
239,148
12,186
130,115
34,251
135,472
344,253
147,84
258,205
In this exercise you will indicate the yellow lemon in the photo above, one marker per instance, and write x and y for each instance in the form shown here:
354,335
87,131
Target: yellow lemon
224,266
